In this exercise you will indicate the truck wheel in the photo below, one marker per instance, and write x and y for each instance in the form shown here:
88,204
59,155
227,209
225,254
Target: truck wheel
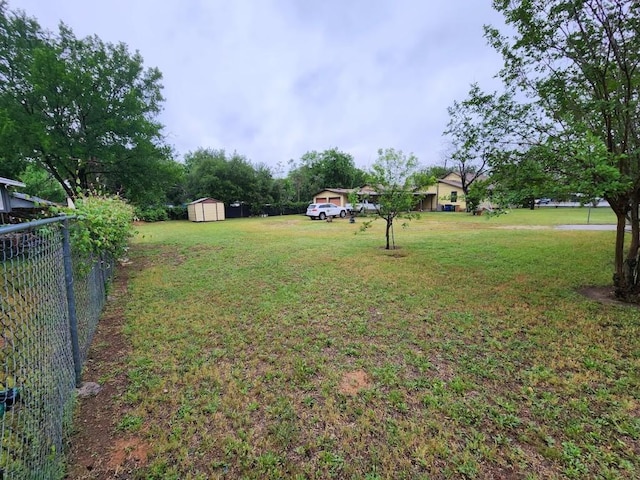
322,216
343,214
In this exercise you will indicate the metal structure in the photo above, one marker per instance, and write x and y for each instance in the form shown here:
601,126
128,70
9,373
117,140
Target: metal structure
50,303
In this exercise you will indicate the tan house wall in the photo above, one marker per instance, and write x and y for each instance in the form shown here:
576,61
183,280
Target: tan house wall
340,199
440,193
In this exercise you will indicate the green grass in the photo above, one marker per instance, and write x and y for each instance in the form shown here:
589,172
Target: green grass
478,357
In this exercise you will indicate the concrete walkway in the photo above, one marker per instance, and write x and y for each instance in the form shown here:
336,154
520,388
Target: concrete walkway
589,227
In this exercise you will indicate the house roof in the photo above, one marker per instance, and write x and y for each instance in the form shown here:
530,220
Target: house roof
336,190
364,190
11,183
458,181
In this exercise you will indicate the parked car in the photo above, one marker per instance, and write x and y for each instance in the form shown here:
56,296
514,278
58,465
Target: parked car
324,210
543,201
364,206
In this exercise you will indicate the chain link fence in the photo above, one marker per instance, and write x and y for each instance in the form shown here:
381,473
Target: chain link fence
50,303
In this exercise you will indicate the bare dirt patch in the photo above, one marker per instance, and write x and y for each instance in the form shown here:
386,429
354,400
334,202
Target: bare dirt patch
604,295
127,454
96,449
354,382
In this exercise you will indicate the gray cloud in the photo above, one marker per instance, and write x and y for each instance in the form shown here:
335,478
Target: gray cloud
273,79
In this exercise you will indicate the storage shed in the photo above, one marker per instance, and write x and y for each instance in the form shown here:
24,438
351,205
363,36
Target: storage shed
206,210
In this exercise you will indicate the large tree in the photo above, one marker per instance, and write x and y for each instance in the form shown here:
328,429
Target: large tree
83,109
579,63
478,128
330,168
229,178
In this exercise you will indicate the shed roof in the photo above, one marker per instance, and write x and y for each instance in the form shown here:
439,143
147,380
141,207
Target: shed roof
22,200
205,200
11,183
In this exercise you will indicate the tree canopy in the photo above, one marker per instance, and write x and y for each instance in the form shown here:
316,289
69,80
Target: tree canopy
573,66
228,178
327,169
83,109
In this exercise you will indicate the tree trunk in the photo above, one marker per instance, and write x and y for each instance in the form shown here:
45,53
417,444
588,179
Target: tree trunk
389,224
626,279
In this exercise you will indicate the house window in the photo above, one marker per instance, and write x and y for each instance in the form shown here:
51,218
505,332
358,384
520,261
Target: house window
454,196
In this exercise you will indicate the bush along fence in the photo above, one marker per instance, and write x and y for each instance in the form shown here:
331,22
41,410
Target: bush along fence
50,301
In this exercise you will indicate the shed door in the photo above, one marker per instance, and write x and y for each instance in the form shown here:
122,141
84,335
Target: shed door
336,200
321,200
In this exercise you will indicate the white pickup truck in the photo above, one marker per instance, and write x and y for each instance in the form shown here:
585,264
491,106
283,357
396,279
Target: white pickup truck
364,206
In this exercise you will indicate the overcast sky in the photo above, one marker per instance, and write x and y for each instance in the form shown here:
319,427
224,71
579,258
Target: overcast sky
273,79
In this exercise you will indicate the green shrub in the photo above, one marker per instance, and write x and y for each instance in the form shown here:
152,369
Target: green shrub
151,214
103,225
178,212
161,213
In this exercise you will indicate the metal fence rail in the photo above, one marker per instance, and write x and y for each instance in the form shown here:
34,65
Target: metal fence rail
50,303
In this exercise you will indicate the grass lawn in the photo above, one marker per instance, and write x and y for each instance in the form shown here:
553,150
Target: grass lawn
287,348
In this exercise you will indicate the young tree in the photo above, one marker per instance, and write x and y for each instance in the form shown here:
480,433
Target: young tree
579,61
397,180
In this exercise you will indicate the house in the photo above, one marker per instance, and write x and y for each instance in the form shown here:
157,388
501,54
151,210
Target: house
206,210
446,195
340,196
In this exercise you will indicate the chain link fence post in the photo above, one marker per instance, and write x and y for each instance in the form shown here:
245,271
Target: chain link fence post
71,301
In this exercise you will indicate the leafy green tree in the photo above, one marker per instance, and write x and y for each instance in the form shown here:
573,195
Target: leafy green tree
436,171
39,183
478,192
579,63
328,169
84,110
478,128
518,178
228,178
397,180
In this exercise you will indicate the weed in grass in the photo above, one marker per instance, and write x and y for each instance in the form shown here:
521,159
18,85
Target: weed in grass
397,401
465,466
303,370
573,460
331,463
373,475
459,385
282,421
352,350
268,465
387,375
130,423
